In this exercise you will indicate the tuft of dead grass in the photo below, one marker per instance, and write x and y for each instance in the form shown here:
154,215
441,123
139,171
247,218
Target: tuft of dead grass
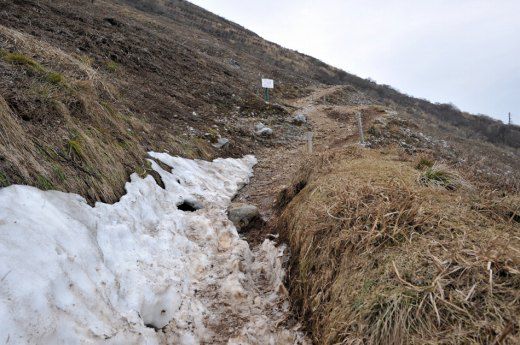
380,259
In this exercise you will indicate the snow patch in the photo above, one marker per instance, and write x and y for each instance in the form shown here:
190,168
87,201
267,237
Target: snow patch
114,274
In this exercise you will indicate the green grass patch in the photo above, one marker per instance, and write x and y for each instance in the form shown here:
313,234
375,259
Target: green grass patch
43,183
4,180
74,148
20,59
59,173
112,66
424,163
439,176
23,60
54,77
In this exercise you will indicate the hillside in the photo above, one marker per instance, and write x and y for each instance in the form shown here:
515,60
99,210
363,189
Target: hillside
88,88
409,238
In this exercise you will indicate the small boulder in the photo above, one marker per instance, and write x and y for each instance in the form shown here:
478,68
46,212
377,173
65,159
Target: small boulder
263,130
299,119
243,215
221,143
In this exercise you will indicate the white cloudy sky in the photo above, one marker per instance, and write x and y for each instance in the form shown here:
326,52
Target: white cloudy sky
462,51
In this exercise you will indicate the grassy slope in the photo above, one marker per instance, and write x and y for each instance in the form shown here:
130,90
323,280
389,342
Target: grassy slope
389,251
87,89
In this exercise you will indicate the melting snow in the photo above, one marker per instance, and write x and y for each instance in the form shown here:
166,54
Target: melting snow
141,271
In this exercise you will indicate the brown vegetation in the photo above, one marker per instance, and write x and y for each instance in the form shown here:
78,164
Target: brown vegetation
385,253
88,87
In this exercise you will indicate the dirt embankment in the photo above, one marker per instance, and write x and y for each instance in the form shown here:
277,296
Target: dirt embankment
389,250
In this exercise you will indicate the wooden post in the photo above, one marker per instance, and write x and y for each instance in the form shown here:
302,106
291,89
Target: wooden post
360,125
309,142
510,119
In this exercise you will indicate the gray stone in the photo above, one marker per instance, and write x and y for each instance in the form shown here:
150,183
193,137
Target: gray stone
263,130
242,215
299,119
221,143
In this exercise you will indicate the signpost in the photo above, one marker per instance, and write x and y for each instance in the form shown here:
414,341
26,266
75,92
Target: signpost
267,84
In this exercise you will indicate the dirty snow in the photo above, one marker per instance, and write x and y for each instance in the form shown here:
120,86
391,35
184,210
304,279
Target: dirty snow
140,271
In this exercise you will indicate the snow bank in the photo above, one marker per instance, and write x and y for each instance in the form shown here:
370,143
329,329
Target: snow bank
113,274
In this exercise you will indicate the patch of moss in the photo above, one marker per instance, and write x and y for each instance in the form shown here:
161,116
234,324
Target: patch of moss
112,66
43,183
4,180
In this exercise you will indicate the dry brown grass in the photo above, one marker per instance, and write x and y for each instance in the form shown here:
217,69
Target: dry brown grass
380,258
90,151
77,136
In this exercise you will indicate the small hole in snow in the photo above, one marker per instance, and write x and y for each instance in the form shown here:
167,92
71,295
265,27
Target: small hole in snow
178,181
149,325
188,206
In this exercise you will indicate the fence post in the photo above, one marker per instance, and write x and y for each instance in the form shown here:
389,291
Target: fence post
309,142
360,125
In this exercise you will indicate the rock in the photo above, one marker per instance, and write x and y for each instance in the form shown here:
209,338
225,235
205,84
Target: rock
259,126
234,63
299,119
221,143
263,130
243,215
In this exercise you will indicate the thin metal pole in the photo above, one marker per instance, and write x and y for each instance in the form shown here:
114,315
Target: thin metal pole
266,94
360,125
309,142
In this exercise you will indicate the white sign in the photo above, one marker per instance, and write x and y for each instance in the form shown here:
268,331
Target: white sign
268,83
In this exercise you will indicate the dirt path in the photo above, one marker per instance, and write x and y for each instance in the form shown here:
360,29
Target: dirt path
276,166
333,126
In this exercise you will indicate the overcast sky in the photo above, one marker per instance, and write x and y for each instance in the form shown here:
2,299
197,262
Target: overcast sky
462,51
